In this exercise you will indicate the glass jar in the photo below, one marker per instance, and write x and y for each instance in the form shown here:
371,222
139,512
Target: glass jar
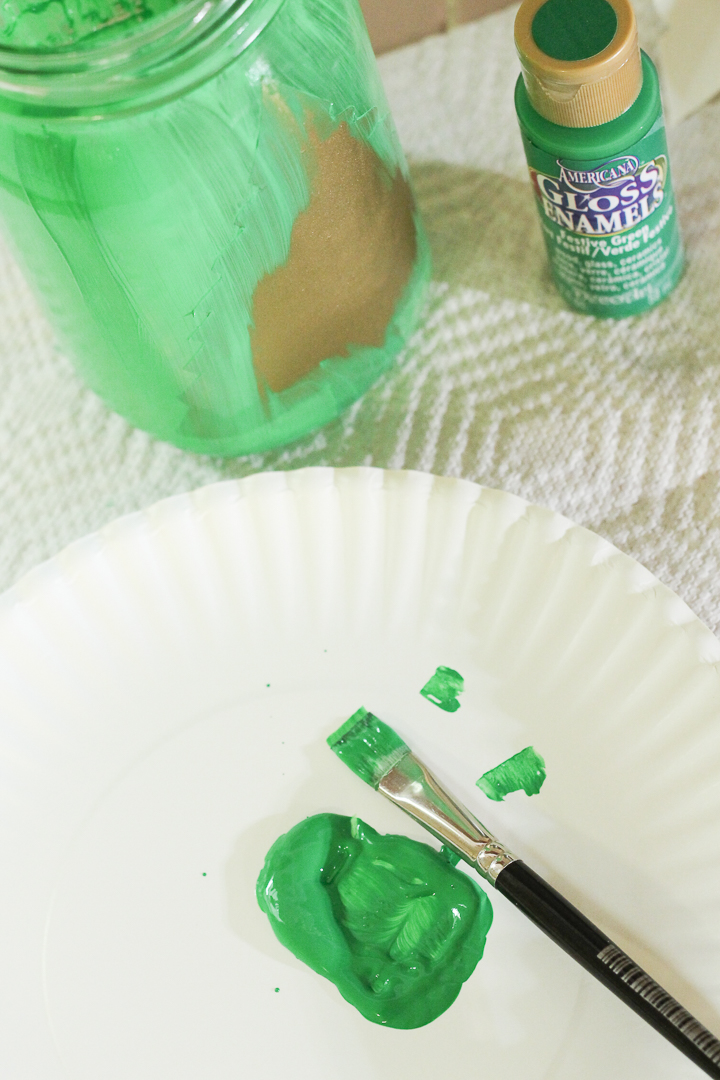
213,205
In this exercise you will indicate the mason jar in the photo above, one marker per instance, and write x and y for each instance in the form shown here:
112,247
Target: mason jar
211,202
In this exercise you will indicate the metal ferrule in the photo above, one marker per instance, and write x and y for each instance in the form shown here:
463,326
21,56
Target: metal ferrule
415,790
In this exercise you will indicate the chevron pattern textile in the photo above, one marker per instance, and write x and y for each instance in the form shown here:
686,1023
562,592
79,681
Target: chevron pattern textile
615,424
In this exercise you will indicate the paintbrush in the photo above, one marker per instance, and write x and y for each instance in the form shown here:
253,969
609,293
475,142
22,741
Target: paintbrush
379,756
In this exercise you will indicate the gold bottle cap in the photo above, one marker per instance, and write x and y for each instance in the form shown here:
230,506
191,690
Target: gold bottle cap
580,59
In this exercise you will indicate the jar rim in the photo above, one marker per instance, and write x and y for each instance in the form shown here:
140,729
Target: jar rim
158,60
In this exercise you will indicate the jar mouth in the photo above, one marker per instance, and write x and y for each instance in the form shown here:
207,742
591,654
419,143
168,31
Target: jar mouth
155,61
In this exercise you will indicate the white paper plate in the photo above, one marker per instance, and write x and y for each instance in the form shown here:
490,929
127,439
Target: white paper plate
166,689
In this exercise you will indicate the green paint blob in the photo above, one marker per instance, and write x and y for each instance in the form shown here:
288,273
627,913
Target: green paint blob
387,919
522,772
443,688
574,29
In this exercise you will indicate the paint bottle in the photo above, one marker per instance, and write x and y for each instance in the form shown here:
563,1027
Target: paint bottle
588,104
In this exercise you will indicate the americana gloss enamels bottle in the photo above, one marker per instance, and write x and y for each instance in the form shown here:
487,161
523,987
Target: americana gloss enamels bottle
589,108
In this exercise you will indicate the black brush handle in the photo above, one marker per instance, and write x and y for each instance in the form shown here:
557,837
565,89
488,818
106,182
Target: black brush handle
569,928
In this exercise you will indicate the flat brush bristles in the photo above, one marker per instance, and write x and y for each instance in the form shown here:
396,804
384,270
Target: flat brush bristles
367,746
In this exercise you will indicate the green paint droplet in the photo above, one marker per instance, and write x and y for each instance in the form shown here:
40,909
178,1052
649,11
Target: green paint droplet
277,989
267,683
452,856
443,688
522,772
204,874
387,919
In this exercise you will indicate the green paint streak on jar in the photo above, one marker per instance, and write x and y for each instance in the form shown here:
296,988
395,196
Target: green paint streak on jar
387,919
443,689
522,772
59,24
215,212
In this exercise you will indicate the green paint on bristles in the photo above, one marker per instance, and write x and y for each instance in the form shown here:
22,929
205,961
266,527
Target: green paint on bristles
367,746
342,731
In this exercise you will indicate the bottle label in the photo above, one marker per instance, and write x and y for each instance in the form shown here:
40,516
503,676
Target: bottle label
610,226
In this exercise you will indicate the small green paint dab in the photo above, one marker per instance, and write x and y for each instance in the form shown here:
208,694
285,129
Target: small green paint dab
267,683
277,989
522,772
443,688
204,874
452,856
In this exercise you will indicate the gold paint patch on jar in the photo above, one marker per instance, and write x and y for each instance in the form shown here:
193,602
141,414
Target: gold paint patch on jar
351,255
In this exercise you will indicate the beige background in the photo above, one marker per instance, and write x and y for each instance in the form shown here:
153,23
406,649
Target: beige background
398,22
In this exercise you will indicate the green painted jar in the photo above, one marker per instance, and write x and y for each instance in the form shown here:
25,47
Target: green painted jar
211,202
588,104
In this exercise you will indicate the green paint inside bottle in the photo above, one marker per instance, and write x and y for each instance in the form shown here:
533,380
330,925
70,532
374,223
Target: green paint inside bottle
522,772
389,920
213,205
443,687
572,30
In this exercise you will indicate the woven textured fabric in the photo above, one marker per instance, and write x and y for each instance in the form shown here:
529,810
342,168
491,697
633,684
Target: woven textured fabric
616,424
